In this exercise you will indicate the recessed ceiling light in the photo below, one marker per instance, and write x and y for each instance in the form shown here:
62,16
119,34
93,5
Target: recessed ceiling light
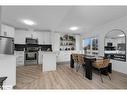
73,28
122,35
28,22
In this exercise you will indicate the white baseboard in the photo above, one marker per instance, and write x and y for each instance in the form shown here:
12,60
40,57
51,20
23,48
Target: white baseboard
7,87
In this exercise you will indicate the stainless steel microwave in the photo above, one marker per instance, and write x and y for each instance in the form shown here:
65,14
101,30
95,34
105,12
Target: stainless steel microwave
31,41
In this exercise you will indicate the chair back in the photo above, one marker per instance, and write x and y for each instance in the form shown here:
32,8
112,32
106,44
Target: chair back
106,63
75,58
98,63
81,58
101,63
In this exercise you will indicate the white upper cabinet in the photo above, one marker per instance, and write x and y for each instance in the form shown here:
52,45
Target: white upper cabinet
55,41
47,37
20,36
43,37
7,31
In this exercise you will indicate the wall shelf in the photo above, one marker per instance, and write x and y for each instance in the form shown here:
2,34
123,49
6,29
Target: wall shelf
67,42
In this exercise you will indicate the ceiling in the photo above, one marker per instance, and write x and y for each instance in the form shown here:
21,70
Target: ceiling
60,18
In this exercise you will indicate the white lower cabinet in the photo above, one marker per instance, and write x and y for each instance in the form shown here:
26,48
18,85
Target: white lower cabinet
40,58
49,61
64,56
19,58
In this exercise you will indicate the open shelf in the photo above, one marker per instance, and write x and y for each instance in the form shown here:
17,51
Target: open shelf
67,42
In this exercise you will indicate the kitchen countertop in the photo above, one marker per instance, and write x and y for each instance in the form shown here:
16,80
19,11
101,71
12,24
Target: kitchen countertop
4,56
47,52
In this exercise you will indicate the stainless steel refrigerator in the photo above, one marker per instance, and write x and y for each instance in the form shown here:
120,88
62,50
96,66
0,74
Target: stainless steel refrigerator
6,45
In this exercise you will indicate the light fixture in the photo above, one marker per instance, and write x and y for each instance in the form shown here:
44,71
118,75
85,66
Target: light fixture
73,28
28,22
122,35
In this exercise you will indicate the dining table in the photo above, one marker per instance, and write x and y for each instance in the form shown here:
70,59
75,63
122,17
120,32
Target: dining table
88,68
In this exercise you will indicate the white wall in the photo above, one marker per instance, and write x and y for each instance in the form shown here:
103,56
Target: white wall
100,32
78,43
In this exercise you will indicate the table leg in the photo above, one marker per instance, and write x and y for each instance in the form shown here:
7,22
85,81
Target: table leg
88,69
71,62
1,86
110,68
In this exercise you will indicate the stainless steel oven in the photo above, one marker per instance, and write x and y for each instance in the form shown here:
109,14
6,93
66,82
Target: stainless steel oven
31,51
31,55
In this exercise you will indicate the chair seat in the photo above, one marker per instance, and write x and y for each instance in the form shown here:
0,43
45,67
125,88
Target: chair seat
97,64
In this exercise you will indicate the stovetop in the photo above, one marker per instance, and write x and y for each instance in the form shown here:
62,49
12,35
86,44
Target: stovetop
32,49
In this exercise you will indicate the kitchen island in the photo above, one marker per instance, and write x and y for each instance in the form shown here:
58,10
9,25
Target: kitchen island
8,69
48,61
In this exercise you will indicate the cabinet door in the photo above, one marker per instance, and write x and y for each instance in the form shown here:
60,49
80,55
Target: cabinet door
7,31
40,58
3,30
44,38
10,31
19,58
40,36
47,37
20,36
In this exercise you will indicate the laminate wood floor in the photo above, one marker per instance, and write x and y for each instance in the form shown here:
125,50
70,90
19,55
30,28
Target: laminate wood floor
31,77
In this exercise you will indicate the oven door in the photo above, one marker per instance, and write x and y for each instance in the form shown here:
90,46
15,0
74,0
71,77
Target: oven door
31,56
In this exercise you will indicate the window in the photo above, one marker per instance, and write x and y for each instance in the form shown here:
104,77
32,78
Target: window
90,46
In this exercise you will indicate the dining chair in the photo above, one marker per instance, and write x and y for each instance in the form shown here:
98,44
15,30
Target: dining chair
81,61
101,65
